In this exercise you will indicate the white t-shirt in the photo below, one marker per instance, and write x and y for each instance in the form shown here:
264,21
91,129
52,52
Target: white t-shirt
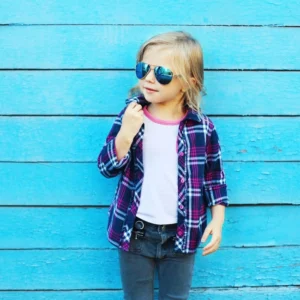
159,195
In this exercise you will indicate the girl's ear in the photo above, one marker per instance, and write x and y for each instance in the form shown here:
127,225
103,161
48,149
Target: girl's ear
186,87
192,81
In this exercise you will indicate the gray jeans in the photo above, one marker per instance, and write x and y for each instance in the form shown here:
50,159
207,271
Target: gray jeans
154,247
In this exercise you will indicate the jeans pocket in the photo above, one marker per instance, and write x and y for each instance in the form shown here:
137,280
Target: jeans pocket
136,243
169,246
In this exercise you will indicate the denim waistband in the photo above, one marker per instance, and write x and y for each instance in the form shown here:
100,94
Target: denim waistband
156,227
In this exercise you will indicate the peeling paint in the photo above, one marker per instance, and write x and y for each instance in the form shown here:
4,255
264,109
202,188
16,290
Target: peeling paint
243,151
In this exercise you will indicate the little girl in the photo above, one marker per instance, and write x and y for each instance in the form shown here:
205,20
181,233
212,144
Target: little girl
169,158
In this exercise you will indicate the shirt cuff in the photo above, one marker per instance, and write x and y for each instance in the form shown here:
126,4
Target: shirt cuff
216,194
118,164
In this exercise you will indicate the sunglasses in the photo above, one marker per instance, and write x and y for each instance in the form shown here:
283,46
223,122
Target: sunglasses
163,75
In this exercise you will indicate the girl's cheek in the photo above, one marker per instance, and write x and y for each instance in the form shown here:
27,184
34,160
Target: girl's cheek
140,84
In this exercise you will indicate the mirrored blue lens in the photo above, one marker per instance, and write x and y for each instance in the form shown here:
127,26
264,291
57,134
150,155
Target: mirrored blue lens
163,75
141,70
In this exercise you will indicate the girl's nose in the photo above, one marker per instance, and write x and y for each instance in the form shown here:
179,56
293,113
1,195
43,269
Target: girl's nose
150,76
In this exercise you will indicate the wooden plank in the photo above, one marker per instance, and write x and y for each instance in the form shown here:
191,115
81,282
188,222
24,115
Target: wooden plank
77,47
262,293
28,228
81,183
98,269
103,92
44,138
148,12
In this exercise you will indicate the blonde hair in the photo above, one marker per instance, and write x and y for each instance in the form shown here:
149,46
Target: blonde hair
187,61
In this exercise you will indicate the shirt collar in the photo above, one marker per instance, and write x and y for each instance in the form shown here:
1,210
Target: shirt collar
140,99
191,115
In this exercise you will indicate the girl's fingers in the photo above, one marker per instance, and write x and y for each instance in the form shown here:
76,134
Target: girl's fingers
210,250
205,234
137,107
132,104
206,252
211,244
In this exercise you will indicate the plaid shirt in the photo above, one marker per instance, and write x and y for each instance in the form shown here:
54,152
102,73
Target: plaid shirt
201,180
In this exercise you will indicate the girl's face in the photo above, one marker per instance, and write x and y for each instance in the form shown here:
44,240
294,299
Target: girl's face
153,91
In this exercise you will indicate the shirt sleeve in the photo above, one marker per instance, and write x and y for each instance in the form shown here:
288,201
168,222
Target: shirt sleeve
108,163
215,188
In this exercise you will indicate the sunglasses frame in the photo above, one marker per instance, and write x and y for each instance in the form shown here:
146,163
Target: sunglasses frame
156,74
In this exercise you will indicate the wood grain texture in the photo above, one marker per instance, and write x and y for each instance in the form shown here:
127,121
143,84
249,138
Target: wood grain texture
262,293
204,12
103,92
57,228
82,184
98,269
82,138
115,47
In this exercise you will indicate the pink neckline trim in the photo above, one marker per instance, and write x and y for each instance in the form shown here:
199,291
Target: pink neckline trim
159,121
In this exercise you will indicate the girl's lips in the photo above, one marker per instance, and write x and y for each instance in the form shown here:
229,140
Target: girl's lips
150,90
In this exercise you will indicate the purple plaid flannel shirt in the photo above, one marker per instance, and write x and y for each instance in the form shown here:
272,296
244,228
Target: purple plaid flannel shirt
201,180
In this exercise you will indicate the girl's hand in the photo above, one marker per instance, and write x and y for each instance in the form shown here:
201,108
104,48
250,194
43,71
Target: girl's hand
132,120
214,228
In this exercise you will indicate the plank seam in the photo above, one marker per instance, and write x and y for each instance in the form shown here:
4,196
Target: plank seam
112,249
130,69
284,287
153,25
106,206
113,116
94,161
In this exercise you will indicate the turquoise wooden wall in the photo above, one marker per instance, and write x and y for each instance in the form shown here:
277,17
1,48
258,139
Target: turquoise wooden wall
65,68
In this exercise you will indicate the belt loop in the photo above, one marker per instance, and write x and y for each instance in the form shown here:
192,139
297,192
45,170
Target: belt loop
139,224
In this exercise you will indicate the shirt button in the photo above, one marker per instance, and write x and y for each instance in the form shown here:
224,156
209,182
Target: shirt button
182,180
181,153
181,206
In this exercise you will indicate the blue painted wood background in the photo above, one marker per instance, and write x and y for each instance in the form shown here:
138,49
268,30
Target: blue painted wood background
65,69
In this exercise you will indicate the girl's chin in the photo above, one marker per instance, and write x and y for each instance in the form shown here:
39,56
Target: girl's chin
149,98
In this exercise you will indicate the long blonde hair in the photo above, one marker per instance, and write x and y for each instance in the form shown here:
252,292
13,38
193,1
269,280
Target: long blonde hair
187,61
